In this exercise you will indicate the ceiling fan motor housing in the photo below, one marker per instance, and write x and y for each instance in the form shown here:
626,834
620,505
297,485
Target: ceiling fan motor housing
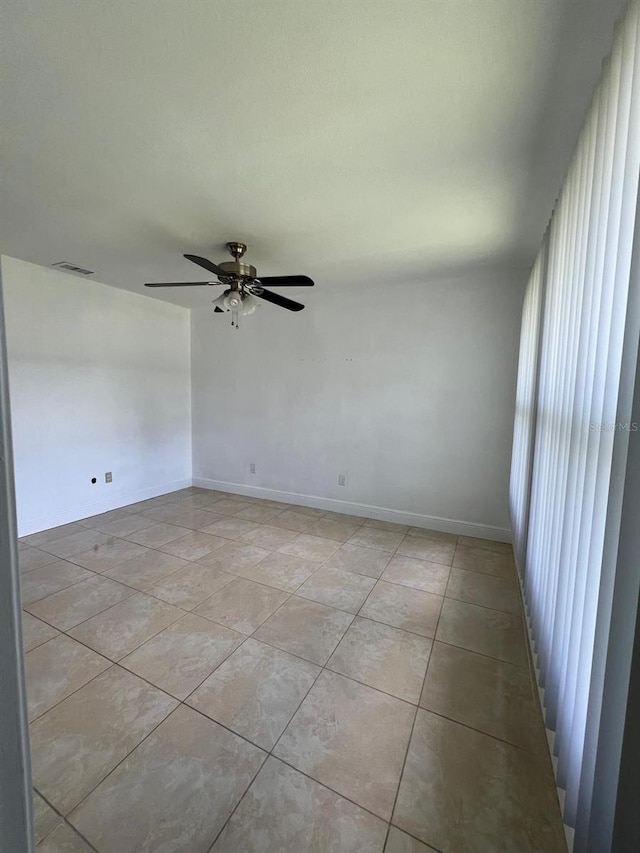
238,269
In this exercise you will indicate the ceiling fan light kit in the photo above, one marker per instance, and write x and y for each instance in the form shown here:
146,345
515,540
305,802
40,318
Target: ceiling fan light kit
243,284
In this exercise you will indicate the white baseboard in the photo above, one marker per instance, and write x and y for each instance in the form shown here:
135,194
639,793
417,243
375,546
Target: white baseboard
78,512
445,525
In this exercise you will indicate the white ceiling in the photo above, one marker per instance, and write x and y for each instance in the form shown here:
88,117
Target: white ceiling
351,140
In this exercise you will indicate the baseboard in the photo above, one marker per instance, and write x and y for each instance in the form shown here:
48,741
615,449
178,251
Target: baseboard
78,512
445,525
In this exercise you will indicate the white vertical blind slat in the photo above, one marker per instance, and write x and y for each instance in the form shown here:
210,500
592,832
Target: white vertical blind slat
568,384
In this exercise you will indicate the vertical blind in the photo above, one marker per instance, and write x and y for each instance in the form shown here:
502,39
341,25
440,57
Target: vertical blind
568,383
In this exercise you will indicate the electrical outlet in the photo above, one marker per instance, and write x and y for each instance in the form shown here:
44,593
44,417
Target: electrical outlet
252,467
108,477
342,480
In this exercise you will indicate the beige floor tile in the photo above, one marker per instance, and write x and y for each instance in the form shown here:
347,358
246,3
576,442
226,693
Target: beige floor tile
391,526
190,586
292,520
158,799
146,570
141,506
281,571
480,629
39,539
56,669
364,561
234,557
269,537
486,694
337,588
34,558
124,526
438,535
403,607
157,535
79,602
168,513
281,505
373,537
194,546
331,528
201,501
196,519
230,527
242,605
487,544
173,513
76,542
305,628
311,511
179,658
120,629
352,739
316,548
256,691
257,512
482,560
286,812
383,657
108,556
63,839
51,578
44,817
400,842
488,590
419,574
77,743
465,791
432,550
343,516
229,506
105,517
35,632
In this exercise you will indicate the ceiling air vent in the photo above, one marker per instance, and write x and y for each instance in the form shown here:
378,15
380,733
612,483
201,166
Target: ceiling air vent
65,265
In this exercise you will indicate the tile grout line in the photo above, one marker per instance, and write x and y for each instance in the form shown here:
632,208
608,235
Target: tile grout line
185,612
63,820
270,753
324,667
265,642
413,725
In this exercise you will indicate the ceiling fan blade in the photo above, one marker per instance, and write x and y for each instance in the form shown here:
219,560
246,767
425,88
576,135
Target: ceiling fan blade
217,310
207,265
286,281
276,299
179,283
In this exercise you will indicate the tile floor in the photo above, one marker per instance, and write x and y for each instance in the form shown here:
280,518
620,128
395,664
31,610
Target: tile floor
209,672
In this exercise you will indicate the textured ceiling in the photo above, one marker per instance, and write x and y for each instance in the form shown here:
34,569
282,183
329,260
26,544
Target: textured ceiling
351,140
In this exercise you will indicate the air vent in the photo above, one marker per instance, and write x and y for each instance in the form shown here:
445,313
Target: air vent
65,265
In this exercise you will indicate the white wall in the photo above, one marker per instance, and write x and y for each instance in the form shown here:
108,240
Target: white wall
407,390
99,381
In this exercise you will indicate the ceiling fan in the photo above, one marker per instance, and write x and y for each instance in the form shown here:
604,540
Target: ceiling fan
243,284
